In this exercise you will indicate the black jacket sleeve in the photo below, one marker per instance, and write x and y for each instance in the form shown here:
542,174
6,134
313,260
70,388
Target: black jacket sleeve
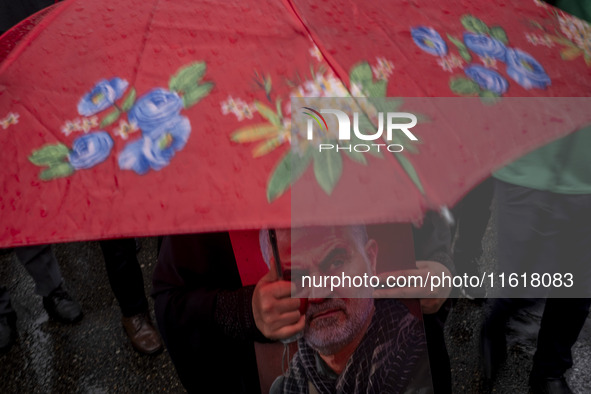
198,281
205,314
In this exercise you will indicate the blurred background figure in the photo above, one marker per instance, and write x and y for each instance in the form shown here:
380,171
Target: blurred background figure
41,264
127,283
471,216
543,206
580,8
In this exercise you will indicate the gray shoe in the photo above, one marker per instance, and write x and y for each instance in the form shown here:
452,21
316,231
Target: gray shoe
62,307
549,386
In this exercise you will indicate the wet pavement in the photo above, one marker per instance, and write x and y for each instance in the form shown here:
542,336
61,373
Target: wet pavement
94,356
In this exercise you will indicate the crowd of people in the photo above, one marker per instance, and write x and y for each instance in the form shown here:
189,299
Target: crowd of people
369,341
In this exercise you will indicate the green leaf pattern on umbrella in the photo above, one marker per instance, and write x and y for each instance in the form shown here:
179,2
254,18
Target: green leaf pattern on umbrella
367,82
490,45
463,86
362,75
290,169
410,171
499,33
59,170
157,114
185,79
268,113
49,155
475,25
196,93
129,100
110,118
358,157
462,49
328,167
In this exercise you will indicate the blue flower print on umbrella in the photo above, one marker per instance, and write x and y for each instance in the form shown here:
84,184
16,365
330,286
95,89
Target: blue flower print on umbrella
525,70
154,109
90,150
132,156
87,151
485,46
157,114
156,149
102,96
429,40
487,79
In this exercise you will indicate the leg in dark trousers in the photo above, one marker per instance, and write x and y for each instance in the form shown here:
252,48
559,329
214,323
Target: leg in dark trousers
127,283
438,356
564,318
5,306
493,342
125,275
472,214
41,264
562,322
7,321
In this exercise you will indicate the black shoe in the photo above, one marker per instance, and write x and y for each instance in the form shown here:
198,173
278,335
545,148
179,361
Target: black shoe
493,351
549,386
7,331
61,307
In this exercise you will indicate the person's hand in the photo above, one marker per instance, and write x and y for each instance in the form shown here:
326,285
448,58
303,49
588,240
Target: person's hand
431,301
276,314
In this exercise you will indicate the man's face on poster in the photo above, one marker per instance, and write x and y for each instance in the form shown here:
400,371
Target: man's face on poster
333,319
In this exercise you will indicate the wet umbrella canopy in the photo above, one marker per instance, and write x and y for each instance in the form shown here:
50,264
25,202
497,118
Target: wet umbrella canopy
127,118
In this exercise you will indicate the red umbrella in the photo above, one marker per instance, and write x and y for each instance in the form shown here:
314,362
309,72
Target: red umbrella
173,116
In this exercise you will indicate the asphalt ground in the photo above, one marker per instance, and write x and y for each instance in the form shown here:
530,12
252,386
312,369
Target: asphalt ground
94,355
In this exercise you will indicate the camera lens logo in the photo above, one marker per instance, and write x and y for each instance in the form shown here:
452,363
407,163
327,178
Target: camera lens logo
315,115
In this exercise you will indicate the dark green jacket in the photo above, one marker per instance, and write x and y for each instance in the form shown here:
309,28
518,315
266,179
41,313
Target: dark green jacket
563,166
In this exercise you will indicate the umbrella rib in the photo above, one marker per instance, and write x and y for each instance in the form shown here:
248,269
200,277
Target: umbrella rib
144,41
35,116
378,25
335,67
343,75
